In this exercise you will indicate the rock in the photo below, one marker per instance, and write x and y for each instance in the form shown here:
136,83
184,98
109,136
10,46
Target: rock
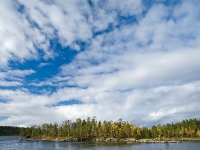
27,137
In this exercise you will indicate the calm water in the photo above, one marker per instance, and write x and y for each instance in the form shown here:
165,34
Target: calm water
12,143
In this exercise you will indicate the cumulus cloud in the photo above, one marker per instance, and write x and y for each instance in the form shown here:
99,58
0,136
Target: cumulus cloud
148,67
144,56
156,105
28,27
18,40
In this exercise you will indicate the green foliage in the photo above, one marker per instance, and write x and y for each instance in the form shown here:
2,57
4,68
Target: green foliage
7,130
91,128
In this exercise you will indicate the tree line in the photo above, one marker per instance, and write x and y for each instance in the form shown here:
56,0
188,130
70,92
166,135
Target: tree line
91,128
8,130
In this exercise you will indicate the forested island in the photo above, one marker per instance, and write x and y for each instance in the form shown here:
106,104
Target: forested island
91,129
9,130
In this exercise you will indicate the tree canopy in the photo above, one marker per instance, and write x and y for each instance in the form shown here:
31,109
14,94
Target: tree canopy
92,128
8,130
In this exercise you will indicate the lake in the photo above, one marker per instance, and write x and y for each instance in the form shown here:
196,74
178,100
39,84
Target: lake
12,143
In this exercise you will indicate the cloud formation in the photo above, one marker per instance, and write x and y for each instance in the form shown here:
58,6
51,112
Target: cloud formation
133,61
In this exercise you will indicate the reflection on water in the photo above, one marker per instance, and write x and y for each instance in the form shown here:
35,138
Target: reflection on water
12,143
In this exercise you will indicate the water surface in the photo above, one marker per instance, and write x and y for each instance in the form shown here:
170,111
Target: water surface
12,143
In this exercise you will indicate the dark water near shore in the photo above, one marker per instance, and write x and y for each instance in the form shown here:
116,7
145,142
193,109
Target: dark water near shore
12,143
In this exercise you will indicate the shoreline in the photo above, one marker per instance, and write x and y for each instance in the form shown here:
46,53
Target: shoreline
127,140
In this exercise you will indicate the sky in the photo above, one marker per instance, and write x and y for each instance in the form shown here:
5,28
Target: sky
138,60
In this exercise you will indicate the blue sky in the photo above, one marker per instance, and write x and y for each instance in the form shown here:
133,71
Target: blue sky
137,60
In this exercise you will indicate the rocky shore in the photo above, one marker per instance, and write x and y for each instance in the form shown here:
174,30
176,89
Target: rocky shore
127,140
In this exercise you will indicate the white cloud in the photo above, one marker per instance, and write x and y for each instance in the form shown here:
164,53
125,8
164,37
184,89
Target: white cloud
115,61
56,20
10,74
14,33
149,68
154,105
20,39
33,27
138,70
118,55
9,77
43,64
9,83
